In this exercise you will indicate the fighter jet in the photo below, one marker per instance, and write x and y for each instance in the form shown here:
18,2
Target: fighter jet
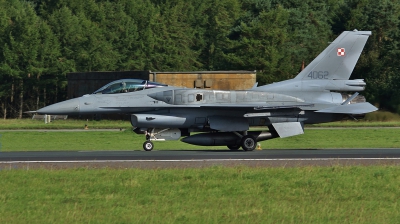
318,94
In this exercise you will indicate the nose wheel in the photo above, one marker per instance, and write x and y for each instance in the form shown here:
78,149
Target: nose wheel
148,145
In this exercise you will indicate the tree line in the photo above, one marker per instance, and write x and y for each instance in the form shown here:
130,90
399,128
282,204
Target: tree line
43,40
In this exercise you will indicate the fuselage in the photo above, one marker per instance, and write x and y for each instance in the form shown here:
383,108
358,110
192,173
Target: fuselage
176,107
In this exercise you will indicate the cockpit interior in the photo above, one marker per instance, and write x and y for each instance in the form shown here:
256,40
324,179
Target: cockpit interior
127,85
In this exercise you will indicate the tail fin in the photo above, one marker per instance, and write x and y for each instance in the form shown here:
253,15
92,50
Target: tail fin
338,60
330,70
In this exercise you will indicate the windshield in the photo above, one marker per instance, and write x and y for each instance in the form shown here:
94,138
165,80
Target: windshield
127,85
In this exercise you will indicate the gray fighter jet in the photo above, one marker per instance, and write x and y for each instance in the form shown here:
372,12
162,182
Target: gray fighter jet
318,94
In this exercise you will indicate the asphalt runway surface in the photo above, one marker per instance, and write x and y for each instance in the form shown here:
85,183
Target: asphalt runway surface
198,158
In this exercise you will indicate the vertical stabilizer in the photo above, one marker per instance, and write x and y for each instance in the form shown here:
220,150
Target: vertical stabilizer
337,61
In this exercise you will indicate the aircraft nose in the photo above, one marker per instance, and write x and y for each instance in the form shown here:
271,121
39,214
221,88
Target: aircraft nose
65,108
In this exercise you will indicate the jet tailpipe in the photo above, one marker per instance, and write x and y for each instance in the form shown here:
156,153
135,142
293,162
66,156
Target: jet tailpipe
224,138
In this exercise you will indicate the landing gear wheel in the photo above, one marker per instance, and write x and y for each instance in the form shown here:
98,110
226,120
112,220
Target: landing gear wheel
148,145
248,143
233,147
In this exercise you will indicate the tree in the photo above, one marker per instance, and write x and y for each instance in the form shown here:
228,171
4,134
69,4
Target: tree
21,46
260,44
47,76
277,37
121,31
5,83
174,37
83,45
309,30
143,15
380,62
215,21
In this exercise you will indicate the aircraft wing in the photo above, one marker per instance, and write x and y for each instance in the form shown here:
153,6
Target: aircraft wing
264,106
216,106
357,108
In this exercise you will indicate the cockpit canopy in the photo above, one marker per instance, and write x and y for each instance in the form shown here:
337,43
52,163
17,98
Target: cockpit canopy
127,85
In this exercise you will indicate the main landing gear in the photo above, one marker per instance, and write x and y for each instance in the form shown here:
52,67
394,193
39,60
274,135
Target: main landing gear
247,142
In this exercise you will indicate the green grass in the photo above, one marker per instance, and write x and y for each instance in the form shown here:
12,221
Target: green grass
127,140
14,124
209,195
349,123
375,119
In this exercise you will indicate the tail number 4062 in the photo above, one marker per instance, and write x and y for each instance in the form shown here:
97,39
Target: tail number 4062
318,75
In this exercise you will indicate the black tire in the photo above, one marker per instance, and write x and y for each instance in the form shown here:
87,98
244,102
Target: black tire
233,147
248,143
148,145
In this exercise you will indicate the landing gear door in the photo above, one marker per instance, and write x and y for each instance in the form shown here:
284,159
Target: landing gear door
165,134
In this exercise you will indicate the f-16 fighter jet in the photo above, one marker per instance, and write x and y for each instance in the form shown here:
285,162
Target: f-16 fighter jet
318,94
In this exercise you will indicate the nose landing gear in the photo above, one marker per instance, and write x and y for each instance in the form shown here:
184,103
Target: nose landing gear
148,145
156,134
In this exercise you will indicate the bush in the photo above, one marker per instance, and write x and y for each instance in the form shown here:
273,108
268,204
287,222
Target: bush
382,116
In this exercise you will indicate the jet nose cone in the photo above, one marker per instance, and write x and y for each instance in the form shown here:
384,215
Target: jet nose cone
66,108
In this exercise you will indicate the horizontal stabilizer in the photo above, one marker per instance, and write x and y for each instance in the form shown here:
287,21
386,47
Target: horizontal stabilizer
288,129
356,108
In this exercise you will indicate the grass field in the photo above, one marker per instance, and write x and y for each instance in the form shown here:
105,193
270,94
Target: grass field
338,194
210,195
375,119
127,140
15,124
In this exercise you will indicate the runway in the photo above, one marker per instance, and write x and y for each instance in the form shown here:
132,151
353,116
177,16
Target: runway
198,158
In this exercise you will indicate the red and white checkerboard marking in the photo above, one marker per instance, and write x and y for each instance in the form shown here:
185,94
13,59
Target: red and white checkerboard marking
341,52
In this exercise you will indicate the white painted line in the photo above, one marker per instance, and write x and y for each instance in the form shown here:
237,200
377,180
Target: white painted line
195,160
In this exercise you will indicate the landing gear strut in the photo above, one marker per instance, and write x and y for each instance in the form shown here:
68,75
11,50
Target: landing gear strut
148,145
